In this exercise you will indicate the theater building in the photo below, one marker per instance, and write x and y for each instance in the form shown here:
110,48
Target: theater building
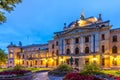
87,40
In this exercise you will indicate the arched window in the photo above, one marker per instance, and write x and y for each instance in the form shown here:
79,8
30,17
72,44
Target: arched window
77,50
68,51
87,50
114,49
102,25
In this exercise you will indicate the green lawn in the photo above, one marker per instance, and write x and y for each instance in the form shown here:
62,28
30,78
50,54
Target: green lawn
38,69
112,72
32,69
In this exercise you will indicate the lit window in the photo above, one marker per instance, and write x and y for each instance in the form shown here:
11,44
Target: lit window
36,55
86,60
11,50
11,55
114,62
114,49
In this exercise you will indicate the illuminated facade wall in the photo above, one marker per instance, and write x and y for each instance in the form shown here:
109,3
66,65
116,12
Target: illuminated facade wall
88,40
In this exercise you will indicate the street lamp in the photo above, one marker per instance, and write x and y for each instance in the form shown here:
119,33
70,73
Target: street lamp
94,59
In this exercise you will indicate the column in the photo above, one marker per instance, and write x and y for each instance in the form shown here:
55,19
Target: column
96,42
61,46
92,43
72,45
82,44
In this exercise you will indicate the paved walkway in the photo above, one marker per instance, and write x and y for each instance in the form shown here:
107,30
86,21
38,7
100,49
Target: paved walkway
44,76
41,76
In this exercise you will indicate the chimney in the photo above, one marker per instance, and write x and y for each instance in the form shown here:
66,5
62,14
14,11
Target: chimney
99,18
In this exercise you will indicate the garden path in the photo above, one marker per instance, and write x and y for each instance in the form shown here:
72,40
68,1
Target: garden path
44,76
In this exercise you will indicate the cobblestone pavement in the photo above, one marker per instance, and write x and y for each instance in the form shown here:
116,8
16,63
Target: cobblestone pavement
44,76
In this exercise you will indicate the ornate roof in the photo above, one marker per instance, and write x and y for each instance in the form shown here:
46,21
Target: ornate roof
83,22
87,21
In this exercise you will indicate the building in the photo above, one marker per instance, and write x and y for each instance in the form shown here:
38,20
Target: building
83,41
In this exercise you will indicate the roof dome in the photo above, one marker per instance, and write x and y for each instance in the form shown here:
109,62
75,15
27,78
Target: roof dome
87,21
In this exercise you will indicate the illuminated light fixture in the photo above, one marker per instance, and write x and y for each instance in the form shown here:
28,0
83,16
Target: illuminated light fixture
18,61
46,60
52,60
61,59
115,58
94,59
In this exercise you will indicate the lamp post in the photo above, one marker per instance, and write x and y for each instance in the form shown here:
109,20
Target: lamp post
94,60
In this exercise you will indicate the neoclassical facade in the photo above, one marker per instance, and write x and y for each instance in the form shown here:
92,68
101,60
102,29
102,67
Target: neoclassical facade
85,41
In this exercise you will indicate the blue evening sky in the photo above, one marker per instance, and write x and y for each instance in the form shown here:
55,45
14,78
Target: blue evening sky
35,21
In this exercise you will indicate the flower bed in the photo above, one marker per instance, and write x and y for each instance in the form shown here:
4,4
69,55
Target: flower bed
77,76
14,74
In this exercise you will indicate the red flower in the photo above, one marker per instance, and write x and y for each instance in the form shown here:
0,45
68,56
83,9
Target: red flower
77,76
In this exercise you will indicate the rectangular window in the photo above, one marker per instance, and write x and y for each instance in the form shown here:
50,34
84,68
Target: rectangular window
103,36
41,62
77,62
67,61
103,61
86,60
114,62
52,46
114,38
76,40
57,43
11,55
67,41
22,62
103,48
87,39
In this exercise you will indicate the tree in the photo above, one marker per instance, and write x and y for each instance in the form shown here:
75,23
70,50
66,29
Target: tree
8,6
3,57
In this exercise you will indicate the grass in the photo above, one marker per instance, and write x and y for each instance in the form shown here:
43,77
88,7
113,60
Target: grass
112,72
32,69
2,69
38,69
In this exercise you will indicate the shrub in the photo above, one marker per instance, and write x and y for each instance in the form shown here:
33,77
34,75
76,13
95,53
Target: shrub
64,68
61,70
91,69
18,67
